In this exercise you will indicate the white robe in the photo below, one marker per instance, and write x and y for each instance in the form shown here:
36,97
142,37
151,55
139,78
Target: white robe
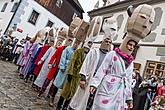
113,82
44,70
79,100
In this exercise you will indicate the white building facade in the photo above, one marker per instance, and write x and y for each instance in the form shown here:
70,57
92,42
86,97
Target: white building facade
28,18
151,52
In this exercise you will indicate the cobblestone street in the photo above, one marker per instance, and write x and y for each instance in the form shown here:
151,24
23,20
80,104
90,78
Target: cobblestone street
15,94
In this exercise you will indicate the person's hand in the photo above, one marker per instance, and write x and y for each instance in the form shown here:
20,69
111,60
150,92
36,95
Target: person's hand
49,66
92,90
130,105
63,70
39,62
82,84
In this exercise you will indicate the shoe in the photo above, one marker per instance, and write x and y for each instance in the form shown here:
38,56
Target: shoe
21,76
70,108
33,86
58,108
26,80
31,78
38,95
64,108
51,104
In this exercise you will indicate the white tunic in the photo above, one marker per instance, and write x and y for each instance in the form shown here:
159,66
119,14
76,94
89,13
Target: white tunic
79,100
44,70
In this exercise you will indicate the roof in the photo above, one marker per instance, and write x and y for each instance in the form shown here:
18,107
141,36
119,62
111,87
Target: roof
78,4
119,6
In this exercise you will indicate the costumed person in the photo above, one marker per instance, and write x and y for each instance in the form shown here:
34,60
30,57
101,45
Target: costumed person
92,62
72,80
38,42
24,55
74,24
53,64
62,35
45,60
49,41
136,96
80,34
62,67
29,74
20,58
113,79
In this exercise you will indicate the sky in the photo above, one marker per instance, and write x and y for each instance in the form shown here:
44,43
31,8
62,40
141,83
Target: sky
88,5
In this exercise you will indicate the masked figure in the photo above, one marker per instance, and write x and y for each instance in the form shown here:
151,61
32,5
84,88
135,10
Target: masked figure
113,79
72,81
82,99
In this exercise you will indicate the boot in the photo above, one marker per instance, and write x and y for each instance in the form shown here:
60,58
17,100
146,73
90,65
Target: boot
51,103
31,78
26,80
58,108
70,108
60,102
21,76
66,104
53,92
39,93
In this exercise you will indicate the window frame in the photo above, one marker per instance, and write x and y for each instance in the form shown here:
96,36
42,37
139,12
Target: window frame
57,3
50,22
74,15
4,7
14,7
30,17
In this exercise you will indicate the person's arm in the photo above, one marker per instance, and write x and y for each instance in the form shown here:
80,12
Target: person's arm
129,99
45,56
25,48
55,55
72,63
86,68
87,65
103,70
63,60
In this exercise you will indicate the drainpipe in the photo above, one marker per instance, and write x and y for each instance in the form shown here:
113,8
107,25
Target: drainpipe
12,18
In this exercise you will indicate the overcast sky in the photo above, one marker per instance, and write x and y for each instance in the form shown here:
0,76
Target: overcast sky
88,5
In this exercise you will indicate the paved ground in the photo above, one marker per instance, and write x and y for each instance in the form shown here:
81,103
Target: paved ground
15,94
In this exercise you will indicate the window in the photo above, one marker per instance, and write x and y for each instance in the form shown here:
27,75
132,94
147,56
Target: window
4,7
74,15
14,7
33,18
154,68
49,23
59,3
